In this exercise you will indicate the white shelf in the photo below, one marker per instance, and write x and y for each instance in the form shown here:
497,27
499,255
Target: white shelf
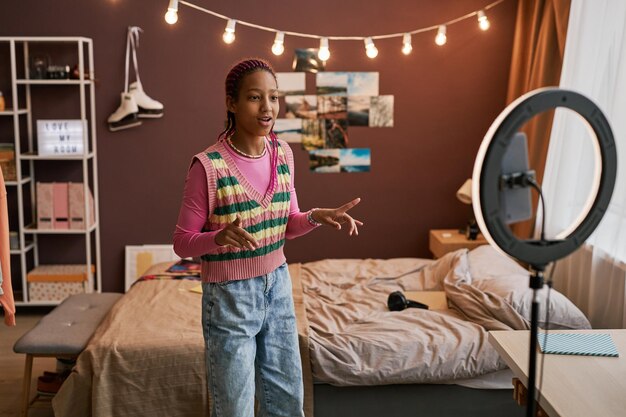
53,82
34,156
28,247
25,180
42,39
11,112
18,55
32,230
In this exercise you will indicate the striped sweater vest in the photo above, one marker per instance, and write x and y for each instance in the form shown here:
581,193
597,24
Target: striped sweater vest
263,216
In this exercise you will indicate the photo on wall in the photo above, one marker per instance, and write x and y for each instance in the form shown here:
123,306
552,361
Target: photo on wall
302,107
306,60
355,160
332,107
291,83
363,83
381,111
335,133
332,83
324,160
289,130
340,160
359,110
312,134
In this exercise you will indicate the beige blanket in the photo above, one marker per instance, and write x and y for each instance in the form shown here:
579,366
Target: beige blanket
356,340
145,359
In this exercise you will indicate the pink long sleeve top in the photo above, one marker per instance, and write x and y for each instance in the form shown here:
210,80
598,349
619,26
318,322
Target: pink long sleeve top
191,241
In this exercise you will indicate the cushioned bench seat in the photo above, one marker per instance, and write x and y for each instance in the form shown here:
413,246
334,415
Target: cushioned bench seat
63,333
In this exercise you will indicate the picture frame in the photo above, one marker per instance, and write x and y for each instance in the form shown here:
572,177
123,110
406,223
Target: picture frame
138,258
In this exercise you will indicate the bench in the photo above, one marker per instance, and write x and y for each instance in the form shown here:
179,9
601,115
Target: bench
62,333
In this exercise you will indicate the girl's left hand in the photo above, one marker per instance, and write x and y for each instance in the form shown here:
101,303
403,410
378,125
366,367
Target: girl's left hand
338,216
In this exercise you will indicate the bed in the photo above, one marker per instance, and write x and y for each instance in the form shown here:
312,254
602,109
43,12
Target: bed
359,358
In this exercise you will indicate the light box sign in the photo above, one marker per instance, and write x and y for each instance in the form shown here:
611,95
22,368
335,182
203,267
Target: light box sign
60,137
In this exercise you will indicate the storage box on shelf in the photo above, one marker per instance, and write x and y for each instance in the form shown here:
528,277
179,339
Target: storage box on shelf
56,282
41,132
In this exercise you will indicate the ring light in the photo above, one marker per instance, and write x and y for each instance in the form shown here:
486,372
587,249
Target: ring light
487,180
487,171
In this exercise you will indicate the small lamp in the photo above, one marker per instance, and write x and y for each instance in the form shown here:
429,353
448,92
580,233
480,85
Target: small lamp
464,195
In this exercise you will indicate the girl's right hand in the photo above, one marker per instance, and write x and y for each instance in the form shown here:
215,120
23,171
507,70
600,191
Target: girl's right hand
236,236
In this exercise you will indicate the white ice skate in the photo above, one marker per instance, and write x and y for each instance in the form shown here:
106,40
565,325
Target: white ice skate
148,107
126,114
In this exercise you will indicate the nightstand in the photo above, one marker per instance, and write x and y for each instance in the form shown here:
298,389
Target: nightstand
442,241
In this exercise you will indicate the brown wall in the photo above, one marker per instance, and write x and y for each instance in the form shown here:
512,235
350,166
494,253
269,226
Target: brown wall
445,100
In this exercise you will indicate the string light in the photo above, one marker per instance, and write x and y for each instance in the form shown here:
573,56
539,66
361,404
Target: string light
278,48
324,51
406,44
483,22
441,37
370,49
171,16
229,32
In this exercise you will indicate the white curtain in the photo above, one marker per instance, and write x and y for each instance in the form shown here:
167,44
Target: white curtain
595,65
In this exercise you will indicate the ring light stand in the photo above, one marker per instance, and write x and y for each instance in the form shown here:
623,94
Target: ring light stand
487,183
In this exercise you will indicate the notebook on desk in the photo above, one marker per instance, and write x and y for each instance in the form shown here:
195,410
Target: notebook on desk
585,344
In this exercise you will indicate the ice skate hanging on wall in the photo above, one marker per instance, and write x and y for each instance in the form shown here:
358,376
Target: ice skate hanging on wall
135,103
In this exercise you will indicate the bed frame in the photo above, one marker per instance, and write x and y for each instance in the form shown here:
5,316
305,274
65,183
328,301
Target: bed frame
414,400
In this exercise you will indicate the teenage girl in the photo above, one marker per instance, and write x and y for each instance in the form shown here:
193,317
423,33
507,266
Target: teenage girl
239,206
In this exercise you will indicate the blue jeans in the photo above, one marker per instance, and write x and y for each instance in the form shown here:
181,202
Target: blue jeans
251,345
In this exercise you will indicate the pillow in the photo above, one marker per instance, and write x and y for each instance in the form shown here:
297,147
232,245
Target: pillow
497,273
486,262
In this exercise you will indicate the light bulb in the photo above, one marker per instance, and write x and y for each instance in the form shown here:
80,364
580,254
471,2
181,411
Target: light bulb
171,16
370,48
278,48
229,32
483,22
406,44
441,38
324,51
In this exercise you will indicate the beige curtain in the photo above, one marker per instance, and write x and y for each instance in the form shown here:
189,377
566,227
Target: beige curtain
538,48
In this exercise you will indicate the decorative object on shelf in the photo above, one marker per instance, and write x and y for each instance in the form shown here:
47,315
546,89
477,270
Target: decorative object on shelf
7,161
39,67
45,205
58,72
3,104
135,103
61,205
14,241
60,137
57,282
323,53
76,197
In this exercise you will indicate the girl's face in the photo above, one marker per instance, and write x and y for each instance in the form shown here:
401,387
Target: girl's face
256,108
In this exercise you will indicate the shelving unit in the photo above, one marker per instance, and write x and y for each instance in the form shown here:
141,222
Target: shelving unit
22,91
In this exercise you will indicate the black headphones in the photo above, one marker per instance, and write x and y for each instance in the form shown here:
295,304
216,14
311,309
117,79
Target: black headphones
398,302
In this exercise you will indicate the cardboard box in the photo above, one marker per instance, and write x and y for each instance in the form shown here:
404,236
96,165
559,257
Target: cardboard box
7,162
59,273
57,282
55,291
